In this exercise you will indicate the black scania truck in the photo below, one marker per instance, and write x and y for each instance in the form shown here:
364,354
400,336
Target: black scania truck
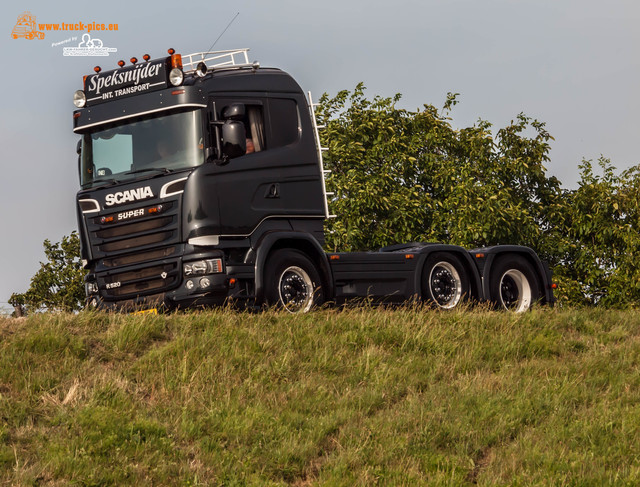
202,181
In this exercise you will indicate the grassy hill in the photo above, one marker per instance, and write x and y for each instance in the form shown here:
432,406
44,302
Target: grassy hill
357,397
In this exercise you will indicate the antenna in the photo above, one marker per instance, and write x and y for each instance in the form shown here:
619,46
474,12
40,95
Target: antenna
225,30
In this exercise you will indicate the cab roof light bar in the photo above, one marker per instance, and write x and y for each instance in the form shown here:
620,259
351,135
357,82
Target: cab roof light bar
198,63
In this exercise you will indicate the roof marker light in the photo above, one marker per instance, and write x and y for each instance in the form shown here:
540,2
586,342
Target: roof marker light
171,50
133,60
121,63
97,69
146,57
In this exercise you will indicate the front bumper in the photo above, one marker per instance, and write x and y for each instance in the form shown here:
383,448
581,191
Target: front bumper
134,287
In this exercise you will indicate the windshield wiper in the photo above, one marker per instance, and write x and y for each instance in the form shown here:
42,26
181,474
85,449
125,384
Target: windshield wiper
163,170
99,183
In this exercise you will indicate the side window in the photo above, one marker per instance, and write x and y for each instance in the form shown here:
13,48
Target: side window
268,123
284,121
253,121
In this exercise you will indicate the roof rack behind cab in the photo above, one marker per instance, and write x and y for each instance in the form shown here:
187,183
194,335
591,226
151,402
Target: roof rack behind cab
216,60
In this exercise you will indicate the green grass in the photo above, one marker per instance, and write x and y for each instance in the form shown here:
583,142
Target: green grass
356,397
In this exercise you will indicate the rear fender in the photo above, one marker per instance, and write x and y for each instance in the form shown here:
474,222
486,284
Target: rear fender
464,257
493,254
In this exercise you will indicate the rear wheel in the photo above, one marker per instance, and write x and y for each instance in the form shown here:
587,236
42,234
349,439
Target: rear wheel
444,281
292,282
514,285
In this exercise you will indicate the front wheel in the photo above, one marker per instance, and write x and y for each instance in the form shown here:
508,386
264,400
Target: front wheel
514,285
444,281
292,282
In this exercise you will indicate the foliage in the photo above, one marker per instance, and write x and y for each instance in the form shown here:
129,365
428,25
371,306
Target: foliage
357,397
600,263
400,176
59,283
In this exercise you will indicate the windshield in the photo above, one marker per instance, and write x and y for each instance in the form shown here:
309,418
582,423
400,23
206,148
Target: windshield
160,144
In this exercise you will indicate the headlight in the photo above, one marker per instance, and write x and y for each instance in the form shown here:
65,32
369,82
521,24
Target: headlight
196,268
176,77
91,288
200,267
79,99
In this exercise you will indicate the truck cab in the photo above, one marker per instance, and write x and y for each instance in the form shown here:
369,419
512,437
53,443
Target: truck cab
181,178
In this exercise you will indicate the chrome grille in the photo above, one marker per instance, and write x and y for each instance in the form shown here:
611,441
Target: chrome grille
135,242
134,230
130,228
137,248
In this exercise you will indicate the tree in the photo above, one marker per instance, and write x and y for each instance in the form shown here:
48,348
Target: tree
59,283
401,176
602,226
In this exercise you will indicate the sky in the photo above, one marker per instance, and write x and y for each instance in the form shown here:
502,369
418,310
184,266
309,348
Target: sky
573,64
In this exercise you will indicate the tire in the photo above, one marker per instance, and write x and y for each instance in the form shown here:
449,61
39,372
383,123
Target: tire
514,285
292,282
445,284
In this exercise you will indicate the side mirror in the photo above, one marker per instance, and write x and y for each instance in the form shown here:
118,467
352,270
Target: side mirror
235,111
234,139
79,147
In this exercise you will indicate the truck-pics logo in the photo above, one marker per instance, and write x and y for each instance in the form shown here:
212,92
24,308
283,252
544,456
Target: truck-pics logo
26,27
122,197
88,47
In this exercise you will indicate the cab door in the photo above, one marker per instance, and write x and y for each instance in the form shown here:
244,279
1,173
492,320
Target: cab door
277,177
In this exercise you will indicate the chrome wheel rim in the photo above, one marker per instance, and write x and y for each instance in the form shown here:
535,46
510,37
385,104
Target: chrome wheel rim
515,291
445,285
295,290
